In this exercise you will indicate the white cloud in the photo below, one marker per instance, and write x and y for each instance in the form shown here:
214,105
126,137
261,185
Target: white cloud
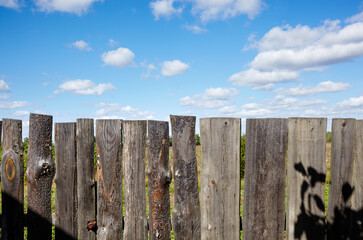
85,87
14,4
4,87
195,29
21,113
150,68
110,110
112,43
355,18
351,103
121,57
81,45
4,96
211,98
164,8
78,7
174,67
323,87
15,104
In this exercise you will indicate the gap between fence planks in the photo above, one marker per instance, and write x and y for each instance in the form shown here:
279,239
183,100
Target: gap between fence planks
220,178
134,140
265,174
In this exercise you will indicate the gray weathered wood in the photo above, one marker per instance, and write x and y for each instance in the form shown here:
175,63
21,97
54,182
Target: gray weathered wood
134,140
220,178
186,212
341,172
109,185
86,178
306,178
265,174
66,181
159,175
12,182
357,199
40,174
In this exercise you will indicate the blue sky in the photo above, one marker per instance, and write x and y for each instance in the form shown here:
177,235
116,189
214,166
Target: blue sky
149,59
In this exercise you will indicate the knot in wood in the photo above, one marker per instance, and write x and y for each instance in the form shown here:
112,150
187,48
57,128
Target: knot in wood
92,225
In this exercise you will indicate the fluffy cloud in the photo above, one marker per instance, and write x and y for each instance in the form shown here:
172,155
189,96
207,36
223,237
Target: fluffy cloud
112,109
323,87
355,18
84,87
164,8
351,103
4,87
172,68
14,4
211,98
195,29
70,6
81,45
121,57
15,104
21,113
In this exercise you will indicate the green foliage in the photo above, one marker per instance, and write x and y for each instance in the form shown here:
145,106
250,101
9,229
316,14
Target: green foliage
243,144
328,137
197,139
170,141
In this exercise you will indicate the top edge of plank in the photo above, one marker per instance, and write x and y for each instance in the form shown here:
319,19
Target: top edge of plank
110,119
11,119
84,119
40,115
135,121
344,119
221,118
65,123
171,115
150,121
266,118
307,118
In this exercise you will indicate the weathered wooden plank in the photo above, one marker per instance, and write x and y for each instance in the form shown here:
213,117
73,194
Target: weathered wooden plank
109,185
306,178
134,140
220,177
85,178
357,199
12,182
40,174
341,173
66,181
186,212
159,175
265,174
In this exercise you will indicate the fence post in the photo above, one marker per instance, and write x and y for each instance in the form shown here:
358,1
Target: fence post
134,140
306,178
12,182
341,172
186,212
265,173
357,200
159,176
109,185
220,177
86,179
40,174
66,181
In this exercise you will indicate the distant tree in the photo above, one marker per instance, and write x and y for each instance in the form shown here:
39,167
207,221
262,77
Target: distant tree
328,137
243,144
197,139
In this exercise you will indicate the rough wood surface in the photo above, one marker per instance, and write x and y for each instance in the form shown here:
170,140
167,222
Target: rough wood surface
306,178
341,172
357,199
134,140
109,185
265,174
66,181
186,212
159,175
12,182
86,178
40,174
220,178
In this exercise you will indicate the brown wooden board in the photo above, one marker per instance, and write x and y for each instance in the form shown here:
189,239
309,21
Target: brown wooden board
357,200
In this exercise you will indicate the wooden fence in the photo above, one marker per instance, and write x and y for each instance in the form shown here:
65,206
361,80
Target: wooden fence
279,153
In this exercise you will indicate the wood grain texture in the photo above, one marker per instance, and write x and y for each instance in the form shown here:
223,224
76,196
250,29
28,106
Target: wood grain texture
186,212
220,178
134,139
306,178
265,174
109,185
85,178
40,174
12,182
357,199
159,175
66,201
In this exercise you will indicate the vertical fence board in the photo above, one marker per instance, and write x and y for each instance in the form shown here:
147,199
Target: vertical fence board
12,182
109,185
159,175
40,174
341,172
134,140
306,178
66,181
186,212
85,178
357,200
220,178
265,174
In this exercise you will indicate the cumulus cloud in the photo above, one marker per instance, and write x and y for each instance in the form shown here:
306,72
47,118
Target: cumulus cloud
355,18
351,103
174,67
81,45
84,87
323,87
78,7
14,4
110,110
121,57
164,8
211,98
15,104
